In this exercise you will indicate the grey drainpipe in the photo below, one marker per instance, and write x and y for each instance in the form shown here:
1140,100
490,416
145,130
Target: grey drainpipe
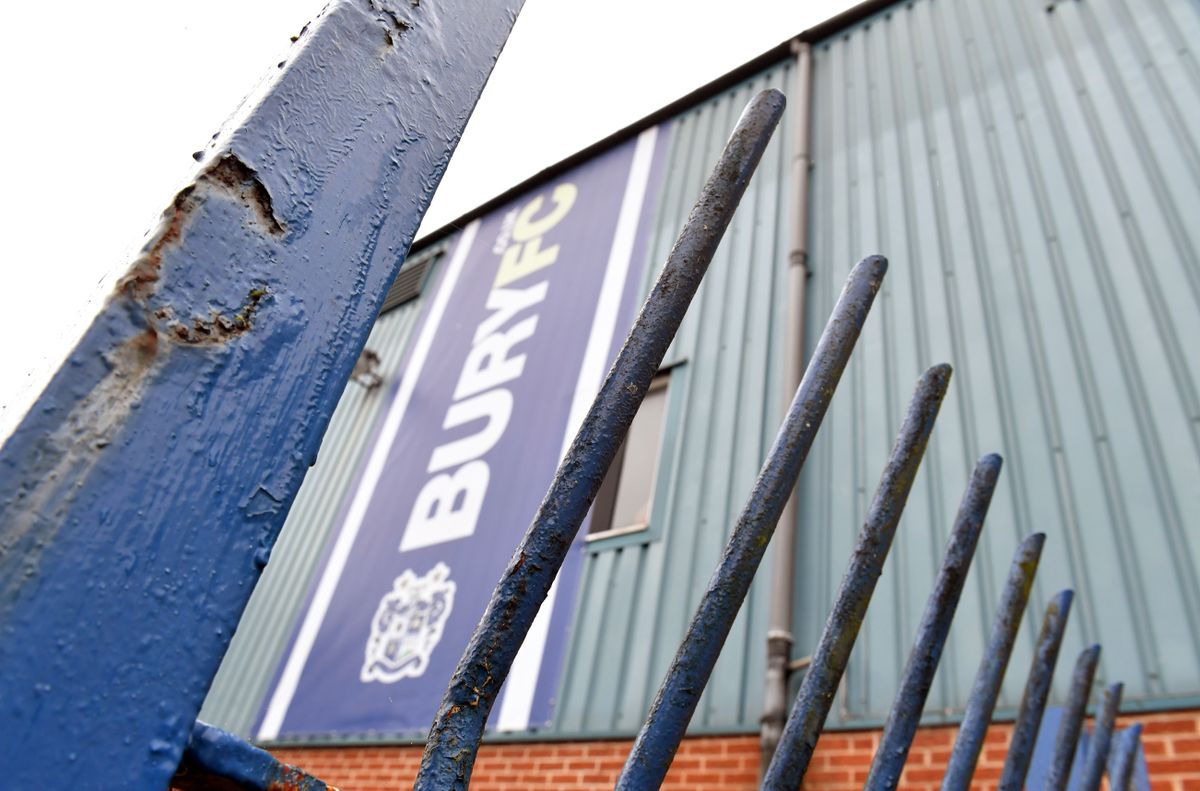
779,624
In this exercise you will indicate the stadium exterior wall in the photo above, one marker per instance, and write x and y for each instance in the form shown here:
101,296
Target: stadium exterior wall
1029,170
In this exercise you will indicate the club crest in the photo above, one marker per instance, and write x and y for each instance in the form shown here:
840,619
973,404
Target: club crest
408,625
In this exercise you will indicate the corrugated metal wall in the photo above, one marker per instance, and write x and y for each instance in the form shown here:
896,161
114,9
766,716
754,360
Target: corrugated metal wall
1031,170
254,653
635,601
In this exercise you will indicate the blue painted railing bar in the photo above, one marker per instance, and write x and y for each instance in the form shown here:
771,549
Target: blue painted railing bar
905,716
1067,740
1096,759
1124,758
800,734
986,689
143,492
1037,690
458,726
673,706
217,759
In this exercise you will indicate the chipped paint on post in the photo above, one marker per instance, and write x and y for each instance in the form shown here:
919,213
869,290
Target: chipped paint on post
811,707
1066,741
986,688
1037,690
677,698
144,490
1102,737
922,663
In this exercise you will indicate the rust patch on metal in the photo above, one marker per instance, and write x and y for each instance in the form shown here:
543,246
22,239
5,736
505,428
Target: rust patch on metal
391,21
72,449
231,177
228,175
218,328
240,180
286,777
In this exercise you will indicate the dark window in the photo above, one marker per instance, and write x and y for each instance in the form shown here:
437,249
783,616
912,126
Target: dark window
623,503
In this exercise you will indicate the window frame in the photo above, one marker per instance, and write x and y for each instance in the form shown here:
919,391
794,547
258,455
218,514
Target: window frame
673,378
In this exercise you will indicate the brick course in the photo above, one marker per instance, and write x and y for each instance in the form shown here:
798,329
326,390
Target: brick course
730,763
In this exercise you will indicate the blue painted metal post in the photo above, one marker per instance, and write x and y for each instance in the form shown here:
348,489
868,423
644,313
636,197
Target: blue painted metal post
986,689
1124,758
1067,740
458,727
676,700
803,728
216,759
902,721
142,494
1098,746
1037,689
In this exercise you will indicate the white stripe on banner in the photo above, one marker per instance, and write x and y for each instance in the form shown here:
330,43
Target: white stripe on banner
519,690
282,699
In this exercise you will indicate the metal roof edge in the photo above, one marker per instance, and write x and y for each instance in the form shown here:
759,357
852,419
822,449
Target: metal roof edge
848,18
779,52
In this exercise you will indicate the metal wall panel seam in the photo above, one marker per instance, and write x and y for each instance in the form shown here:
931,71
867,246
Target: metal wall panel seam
997,355
1131,378
1177,359
706,317
662,646
973,158
1085,377
727,701
1046,403
693,139
925,354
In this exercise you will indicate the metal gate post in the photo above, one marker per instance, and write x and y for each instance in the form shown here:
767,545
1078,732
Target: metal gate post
990,675
1102,733
458,725
1121,772
905,715
1037,690
1067,740
142,494
807,718
673,706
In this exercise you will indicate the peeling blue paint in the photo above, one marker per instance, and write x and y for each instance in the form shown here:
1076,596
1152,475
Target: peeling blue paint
143,491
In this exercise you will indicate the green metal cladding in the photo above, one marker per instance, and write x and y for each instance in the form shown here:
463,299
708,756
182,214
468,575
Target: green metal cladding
1030,169
1032,172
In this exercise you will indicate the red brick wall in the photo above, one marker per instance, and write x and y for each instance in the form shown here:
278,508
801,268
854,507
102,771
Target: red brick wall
725,763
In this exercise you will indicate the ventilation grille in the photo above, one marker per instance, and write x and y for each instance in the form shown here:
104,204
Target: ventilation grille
408,283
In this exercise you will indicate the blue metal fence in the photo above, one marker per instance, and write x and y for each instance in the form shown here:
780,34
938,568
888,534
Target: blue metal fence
137,328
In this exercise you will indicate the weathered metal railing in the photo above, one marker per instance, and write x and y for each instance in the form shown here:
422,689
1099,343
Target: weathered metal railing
866,564
458,728
982,701
155,471
158,337
1072,720
935,626
1097,757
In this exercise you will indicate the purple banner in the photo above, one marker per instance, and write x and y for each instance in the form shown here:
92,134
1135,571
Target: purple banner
531,304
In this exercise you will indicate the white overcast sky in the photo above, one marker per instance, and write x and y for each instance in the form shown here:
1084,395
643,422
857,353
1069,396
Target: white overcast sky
106,102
